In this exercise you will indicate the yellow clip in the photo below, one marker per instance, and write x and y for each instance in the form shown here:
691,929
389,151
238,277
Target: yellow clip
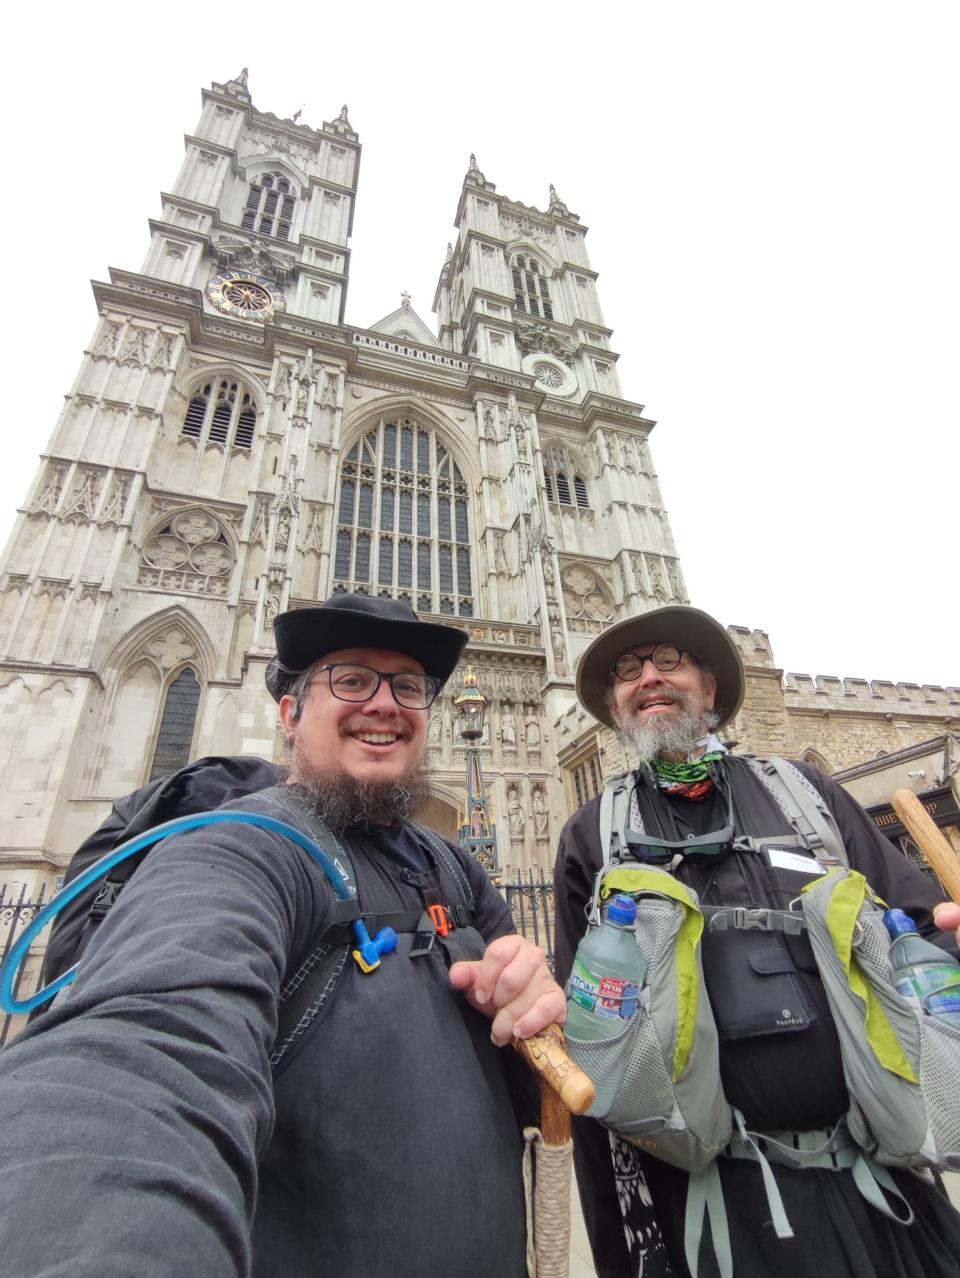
362,963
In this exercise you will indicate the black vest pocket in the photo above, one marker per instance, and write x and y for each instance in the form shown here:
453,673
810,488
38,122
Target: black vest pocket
754,986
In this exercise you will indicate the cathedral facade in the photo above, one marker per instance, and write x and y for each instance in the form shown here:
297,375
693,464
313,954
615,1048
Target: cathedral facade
230,449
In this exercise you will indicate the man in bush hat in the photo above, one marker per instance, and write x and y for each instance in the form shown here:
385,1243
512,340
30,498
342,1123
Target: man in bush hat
141,1113
727,826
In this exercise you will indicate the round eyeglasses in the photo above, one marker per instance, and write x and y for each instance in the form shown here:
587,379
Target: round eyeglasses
349,682
665,657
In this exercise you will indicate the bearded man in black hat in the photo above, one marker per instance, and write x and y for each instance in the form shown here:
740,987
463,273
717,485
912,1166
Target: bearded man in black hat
666,681
142,1122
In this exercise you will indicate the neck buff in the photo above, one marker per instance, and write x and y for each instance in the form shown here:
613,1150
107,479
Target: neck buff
691,779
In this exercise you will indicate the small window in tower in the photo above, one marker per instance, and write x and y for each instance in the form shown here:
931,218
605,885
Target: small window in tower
530,289
563,489
423,451
246,425
270,207
547,483
196,412
580,489
406,448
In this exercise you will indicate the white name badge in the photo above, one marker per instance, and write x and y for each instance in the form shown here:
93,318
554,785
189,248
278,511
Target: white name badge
782,859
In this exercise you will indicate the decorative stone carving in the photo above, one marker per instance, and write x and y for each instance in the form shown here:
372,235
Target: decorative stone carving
285,507
515,818
172,647
116,503
80,505
541,817
313,542
328,391
261,517
533,734
284,381
586,600
46,500
106,346
659,585
162,355
189,553
254,257
533,338
508,728
134,348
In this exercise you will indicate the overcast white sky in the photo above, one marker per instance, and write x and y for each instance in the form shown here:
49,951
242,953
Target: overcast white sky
772,193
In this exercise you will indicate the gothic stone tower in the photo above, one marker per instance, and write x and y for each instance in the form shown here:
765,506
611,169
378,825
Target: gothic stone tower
230,448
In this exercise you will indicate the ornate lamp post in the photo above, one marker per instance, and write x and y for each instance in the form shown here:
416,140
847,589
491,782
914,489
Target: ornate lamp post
475,828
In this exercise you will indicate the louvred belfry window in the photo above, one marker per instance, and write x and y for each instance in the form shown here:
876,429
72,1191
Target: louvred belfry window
564,485
271,203
531,293
404,520
221,412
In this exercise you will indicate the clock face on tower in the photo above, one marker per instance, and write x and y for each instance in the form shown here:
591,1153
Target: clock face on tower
245,296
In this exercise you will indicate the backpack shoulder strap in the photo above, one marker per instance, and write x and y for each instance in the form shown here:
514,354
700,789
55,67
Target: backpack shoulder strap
803,807
448,859
614,811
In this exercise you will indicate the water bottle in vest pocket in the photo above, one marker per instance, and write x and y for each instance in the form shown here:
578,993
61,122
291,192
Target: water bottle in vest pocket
902,1064
658,1078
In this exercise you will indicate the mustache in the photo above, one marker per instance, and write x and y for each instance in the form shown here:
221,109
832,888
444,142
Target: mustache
666,693
351,726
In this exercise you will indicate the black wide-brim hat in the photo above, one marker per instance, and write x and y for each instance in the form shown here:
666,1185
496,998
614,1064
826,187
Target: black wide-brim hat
360,621
688,628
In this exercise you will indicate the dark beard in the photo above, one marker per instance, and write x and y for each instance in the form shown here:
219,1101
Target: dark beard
340,800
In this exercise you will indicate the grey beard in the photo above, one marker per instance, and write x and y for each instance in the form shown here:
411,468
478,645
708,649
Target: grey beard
678,736
341,800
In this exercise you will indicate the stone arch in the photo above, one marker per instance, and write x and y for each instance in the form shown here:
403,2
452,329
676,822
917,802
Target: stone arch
817,759
190,382
268,162
138,673
440,811
454,438
527,248
191,549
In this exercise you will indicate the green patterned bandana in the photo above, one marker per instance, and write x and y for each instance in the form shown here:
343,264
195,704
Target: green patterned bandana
689,780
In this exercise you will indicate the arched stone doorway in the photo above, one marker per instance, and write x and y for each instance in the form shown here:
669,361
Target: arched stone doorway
440,816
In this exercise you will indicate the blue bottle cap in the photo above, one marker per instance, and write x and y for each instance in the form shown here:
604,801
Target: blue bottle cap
622,910
898,922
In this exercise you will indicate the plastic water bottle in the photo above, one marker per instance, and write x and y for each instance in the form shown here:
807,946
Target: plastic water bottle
922,972
604,987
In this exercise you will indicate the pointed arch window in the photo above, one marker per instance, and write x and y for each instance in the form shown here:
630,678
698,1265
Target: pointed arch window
221,412
271,203
177,724
530,290
404,520
563,481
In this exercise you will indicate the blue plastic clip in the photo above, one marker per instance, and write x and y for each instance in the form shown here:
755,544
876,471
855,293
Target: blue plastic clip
368,952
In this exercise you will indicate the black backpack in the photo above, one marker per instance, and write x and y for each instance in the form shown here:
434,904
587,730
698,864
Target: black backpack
203,786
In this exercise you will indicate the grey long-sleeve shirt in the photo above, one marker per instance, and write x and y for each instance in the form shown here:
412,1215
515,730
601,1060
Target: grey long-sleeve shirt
136,1113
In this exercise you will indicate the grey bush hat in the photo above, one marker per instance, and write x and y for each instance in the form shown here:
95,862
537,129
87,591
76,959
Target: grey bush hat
304,635
688,628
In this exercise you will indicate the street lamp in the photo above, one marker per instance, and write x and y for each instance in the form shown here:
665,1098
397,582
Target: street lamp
475,828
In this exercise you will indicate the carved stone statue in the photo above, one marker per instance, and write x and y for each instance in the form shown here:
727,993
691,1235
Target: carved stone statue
508,730
515,817
541,817
533,735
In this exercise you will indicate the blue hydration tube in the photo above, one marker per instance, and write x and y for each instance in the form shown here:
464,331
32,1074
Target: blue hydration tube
369,949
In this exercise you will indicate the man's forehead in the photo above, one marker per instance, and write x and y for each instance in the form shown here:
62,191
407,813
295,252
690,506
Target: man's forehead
378,658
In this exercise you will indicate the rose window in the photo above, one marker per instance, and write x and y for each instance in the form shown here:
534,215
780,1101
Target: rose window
189,553
548,375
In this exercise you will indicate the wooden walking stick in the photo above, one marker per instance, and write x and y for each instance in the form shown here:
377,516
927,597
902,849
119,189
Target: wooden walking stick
564,1089
925,833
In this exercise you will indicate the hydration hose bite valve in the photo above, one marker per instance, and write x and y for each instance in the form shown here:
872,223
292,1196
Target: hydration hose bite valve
368,953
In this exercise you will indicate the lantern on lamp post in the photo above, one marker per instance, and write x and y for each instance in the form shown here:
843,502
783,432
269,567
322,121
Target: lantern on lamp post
475,826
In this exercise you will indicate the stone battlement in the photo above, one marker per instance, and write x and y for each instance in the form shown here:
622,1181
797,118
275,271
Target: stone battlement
828,692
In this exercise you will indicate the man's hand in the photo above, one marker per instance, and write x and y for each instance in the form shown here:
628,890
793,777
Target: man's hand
512,984
947,917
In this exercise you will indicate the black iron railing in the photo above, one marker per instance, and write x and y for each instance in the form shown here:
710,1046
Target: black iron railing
16,912
530,898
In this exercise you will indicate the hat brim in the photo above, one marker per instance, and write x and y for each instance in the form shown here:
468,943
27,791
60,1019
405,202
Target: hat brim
688,628
307,634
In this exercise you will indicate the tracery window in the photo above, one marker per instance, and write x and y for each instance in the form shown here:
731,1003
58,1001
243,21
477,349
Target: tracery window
585,778
189,552
403,520
177,723
530,291
270,206
221,412
564,484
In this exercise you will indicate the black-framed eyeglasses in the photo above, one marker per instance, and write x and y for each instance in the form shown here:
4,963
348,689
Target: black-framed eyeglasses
351,682
665,657
647,848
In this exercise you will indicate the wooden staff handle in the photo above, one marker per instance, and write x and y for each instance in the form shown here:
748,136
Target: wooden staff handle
925,833
546,1052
